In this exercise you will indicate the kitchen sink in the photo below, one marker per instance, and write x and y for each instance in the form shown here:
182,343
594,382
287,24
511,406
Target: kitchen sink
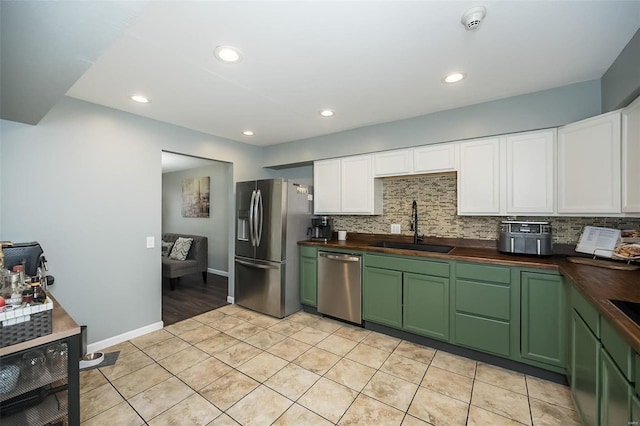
434,248
630,309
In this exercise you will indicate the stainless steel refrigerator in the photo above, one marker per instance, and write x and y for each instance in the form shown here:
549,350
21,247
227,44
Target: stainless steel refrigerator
271,217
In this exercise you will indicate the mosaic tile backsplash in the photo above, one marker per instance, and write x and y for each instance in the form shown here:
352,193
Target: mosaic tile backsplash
436,196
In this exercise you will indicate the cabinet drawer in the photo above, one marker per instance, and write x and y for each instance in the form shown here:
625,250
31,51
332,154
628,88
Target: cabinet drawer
484,299
426,267
306,251
490,273
637,373
618,349
588,313
482,333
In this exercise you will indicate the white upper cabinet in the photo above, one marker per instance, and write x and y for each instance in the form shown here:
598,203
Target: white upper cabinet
326,186
479,177
530,172
631,158
346,186
425,159
589,166
361,193
393,163
435,158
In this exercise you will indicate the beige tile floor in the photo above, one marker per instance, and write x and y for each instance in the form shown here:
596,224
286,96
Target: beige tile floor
234,366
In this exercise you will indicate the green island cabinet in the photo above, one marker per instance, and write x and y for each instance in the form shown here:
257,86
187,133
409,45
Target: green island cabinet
603,368
407,293
308,276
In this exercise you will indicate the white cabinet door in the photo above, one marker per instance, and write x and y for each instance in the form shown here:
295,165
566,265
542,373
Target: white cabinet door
357,185
435,158
326,186
589,166
631,158
530,173
479,177
346,186
392,163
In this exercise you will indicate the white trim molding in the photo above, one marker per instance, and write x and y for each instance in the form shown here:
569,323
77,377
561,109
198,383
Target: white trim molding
95,347
217,272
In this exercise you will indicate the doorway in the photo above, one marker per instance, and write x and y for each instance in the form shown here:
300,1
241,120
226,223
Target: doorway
192,296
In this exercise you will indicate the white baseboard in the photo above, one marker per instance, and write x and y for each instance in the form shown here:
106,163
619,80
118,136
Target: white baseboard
230,299
94,347
217,272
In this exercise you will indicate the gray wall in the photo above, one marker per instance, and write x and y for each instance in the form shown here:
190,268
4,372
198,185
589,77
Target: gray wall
215,227
621,82
86,182
549,108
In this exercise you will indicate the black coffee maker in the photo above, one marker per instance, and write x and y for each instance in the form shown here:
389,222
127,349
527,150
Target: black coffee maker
321,229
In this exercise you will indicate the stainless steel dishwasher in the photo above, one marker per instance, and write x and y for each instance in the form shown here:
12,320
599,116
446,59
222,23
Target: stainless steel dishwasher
340,286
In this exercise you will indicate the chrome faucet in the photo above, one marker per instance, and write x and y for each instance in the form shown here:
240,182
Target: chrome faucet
414,223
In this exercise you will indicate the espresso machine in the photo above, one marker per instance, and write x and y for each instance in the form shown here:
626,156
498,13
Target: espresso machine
321,229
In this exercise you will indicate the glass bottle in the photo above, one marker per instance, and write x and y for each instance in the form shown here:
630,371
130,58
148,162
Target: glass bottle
37,293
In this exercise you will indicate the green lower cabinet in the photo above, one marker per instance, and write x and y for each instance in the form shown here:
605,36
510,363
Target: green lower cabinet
615,393
585,366
382,297
426,305
485,334
543,329
635,410
309,281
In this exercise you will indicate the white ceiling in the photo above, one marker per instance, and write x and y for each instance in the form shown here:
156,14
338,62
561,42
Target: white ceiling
372,62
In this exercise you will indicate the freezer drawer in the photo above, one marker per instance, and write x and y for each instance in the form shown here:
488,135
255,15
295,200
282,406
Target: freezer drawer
259,286
340,286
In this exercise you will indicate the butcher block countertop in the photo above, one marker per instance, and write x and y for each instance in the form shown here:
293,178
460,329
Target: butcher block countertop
596,284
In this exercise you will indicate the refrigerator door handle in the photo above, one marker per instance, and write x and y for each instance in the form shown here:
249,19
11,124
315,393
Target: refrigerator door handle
255,265
252,206
259,224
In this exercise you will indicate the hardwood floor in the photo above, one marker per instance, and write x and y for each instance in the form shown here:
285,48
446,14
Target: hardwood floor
192,297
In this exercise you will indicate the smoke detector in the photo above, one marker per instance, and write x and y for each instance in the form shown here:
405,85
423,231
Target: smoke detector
471,18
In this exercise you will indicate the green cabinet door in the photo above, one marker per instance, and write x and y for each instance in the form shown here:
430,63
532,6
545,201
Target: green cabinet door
635,410
543,313
308,281
382,297
615,394
426,305
585,366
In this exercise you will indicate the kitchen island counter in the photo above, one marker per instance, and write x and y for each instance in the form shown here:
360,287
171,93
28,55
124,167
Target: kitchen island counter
596,284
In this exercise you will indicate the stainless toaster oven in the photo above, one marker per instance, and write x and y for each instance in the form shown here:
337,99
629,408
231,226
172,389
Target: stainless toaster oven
525,238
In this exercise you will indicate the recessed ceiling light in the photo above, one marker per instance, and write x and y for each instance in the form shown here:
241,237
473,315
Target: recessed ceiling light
327,113
248,133
141,99
227,54
453,77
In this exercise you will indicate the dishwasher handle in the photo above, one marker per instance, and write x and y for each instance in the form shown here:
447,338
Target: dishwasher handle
339,257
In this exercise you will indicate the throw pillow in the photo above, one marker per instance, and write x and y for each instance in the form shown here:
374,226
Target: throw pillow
166,247
181,248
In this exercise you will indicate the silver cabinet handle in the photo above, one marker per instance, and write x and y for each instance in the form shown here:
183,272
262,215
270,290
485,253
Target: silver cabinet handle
255,265
340,257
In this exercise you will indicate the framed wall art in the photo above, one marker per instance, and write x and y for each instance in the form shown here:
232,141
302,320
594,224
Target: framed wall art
195,197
